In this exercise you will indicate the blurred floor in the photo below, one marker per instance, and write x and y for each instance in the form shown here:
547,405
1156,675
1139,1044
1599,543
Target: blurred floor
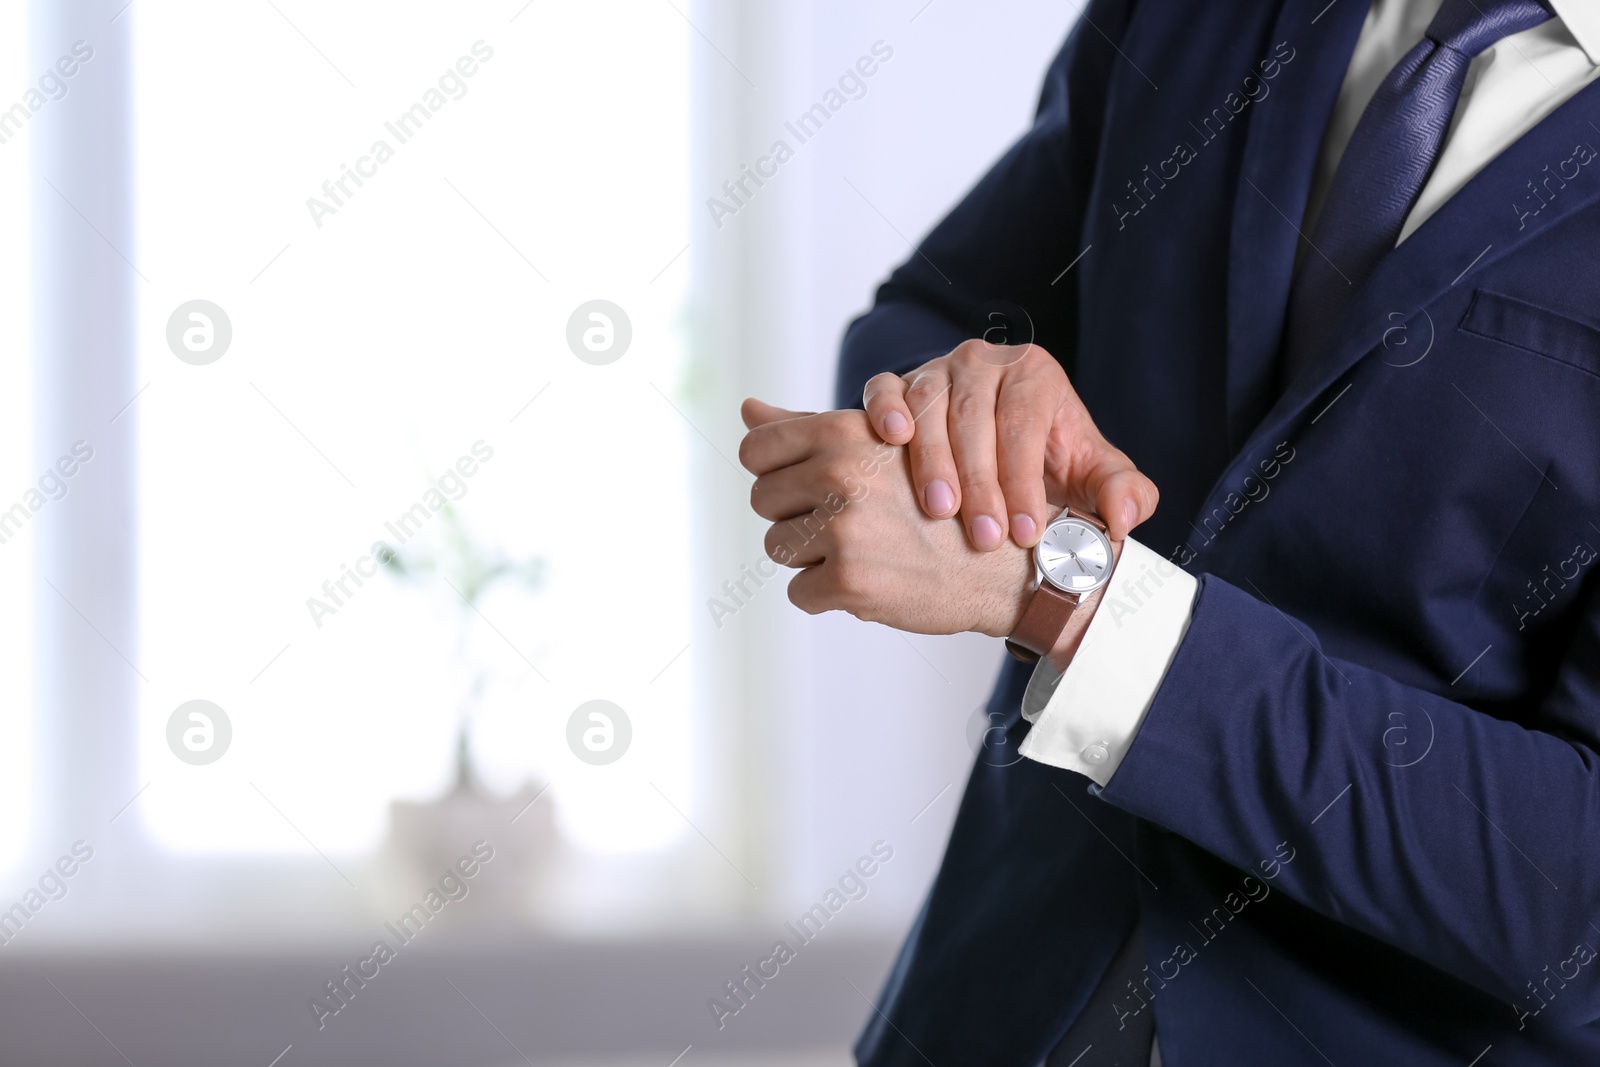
542,1002
814,1058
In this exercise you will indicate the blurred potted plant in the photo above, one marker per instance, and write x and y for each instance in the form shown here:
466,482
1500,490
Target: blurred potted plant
427,838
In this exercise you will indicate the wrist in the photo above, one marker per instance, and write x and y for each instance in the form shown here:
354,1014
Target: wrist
1018,580
1065,646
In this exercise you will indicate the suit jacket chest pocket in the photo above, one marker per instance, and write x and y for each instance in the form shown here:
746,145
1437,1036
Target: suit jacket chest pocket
1544,395
1558,336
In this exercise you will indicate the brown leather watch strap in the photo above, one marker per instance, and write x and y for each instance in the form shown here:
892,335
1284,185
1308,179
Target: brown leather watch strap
1092,520
1042,622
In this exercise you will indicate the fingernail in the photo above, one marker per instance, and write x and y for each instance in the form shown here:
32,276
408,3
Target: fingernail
939,498
894,423
986,532
1022,528
1130,513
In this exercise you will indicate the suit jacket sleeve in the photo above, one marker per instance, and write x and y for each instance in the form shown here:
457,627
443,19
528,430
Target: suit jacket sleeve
1009,239
1465,840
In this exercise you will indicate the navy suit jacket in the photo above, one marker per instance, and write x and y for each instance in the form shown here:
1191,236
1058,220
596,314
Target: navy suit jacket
1362,819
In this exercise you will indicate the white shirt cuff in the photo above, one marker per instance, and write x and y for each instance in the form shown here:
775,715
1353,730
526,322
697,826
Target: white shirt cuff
1085,718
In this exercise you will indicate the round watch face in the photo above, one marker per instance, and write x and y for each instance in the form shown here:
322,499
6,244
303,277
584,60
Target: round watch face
1074,556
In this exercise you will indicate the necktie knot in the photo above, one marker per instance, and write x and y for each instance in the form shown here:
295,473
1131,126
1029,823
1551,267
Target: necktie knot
1471,26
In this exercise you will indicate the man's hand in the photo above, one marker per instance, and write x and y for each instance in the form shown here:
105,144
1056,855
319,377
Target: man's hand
997,432
843,511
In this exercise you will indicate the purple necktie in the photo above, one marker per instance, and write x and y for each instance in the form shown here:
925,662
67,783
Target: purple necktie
1388,160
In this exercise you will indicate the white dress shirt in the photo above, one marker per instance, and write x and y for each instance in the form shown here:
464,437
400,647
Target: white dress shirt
1085,719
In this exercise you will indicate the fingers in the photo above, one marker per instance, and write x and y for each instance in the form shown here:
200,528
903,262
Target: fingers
1081,468
885,401
933,468
1024,413
760,413
824,587
789,492
795,542
810,592
777,437
973,446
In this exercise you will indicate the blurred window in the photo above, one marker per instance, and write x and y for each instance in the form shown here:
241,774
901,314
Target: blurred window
391,212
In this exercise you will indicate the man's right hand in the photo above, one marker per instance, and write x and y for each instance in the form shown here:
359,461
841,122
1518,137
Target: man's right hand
997,432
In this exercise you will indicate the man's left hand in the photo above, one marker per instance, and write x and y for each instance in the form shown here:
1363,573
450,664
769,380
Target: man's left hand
844,511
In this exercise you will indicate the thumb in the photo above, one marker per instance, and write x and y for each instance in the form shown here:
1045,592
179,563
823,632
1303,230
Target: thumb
759,413
1124,498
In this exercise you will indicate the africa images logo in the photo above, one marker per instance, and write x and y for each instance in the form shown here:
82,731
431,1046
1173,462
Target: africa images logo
454,886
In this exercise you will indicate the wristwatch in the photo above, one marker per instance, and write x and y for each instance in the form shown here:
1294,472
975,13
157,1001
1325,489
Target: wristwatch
1072,560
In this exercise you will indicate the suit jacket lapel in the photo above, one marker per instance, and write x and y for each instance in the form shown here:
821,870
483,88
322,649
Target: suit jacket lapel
1494,215
1280,156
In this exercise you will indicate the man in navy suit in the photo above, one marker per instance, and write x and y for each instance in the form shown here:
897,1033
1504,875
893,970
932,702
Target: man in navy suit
1314,777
